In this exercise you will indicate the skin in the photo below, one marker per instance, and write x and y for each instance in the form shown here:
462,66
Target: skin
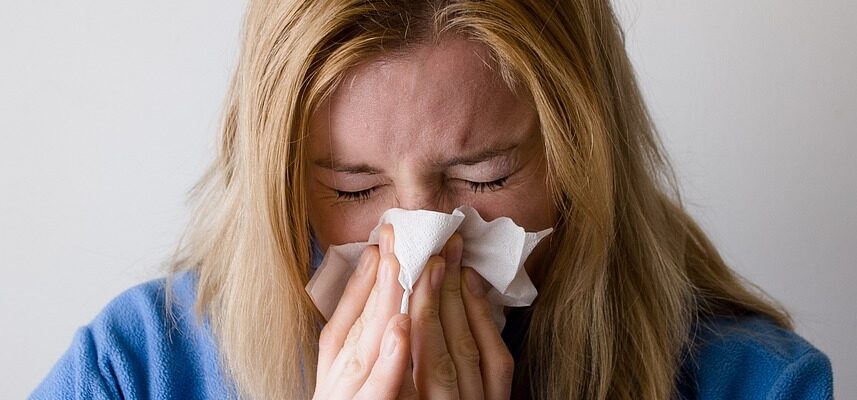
433,129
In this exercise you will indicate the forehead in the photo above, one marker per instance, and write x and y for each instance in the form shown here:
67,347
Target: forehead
434,100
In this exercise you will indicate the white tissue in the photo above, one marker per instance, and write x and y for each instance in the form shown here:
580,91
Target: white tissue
496,250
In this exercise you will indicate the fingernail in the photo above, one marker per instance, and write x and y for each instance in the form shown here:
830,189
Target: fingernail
363,265
453,250
474,283
387,243
404,324
383,270
437,270
390,343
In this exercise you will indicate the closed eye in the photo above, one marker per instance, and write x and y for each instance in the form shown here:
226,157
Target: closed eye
477,187
355,196
480,187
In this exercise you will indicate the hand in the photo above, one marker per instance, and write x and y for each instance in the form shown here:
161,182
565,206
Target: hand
456,348
365,347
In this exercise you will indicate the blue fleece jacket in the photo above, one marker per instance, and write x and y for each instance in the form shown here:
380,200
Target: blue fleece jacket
127,352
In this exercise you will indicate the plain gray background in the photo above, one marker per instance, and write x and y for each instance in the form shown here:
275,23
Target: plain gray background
110,110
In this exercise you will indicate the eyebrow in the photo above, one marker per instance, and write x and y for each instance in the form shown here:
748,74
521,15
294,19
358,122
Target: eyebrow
473,159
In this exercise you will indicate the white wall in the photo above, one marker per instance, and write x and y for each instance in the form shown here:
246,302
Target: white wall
109,111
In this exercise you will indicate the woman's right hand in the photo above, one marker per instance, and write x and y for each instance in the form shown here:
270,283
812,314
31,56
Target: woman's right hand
364,349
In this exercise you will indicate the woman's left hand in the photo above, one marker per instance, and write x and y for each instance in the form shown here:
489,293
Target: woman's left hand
456,348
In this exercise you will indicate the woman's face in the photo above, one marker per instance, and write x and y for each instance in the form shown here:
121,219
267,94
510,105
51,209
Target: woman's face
432,130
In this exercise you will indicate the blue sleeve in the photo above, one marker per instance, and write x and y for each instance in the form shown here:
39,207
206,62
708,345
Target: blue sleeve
809,377
133,350
753,358
78,375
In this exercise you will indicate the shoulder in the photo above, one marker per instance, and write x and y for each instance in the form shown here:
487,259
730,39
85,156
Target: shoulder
138,323
752,357
134,348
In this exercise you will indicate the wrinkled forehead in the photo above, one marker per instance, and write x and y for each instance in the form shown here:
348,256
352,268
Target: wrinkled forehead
431,101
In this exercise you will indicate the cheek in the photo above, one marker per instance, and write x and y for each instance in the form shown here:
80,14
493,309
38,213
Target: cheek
337,224
528,205
530,209
527,202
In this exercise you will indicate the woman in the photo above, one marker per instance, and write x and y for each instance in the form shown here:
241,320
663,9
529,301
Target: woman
342,109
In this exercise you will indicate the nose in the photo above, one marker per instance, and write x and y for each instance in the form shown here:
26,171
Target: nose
423,197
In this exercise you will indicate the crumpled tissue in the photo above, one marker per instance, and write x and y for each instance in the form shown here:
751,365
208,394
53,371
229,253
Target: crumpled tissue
496,250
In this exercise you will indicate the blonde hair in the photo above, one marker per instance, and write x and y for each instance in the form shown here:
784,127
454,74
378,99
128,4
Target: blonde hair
630,273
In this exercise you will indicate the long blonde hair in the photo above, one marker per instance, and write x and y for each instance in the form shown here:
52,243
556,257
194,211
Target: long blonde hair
630,272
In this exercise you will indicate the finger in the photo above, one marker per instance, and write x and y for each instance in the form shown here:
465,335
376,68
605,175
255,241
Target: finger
387,300
391,367
350,306
456,330
360,350
497,364
408,391
434,370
